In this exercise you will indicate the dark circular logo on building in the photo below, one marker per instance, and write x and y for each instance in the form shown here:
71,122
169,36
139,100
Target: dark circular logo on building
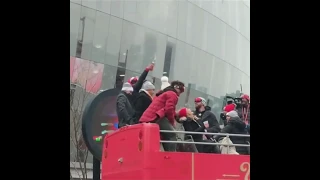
99,118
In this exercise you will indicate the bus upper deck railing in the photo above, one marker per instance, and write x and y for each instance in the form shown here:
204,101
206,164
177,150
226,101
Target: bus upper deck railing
206,143
203,133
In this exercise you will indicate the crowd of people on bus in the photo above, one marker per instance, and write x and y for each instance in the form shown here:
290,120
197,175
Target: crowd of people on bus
138,102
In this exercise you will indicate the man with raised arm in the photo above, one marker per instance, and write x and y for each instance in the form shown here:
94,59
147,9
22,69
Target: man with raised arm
138,82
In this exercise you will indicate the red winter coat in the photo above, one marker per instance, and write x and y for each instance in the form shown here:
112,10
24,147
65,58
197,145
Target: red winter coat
164,105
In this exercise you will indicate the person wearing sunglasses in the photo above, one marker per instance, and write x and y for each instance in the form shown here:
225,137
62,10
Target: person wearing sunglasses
203,112
162,111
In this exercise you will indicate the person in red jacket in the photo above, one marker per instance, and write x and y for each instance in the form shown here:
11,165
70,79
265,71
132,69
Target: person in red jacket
162,111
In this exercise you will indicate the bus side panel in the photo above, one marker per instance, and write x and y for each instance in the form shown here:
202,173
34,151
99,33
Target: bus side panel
124,156
169,166
220,166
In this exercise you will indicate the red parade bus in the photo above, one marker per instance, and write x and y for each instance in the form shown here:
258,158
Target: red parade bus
133,153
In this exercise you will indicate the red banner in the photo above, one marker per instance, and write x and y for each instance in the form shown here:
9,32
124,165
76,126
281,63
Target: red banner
87,74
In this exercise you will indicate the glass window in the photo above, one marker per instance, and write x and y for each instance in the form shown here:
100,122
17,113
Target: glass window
162,16
195,59
241,17
109,77
100,37
235,79
208,6
132,51
205,32
130,11
114,41
86,26
180,68
217,37
182,20
182,102
198,27
75,10
245,82
219,78
90,3
103,5
169,56
232,13
170,11
244,56
247,3
140,47
191,21
239,50
245,63
231,44
76,1
238,15
117,8
224,11
246,21
155,45
203,63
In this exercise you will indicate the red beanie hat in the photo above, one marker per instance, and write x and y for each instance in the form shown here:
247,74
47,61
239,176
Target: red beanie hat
183,112
133,80
229,107
245,96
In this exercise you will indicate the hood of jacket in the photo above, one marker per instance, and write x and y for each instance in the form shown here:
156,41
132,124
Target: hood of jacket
145,92
169,88
237,122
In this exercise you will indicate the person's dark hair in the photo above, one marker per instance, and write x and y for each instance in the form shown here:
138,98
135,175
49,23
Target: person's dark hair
177,83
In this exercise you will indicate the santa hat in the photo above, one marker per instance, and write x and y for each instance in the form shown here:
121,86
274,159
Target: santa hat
133,80
229,107
201,99
164,82
183,112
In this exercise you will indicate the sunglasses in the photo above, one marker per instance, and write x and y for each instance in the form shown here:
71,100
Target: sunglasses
181,88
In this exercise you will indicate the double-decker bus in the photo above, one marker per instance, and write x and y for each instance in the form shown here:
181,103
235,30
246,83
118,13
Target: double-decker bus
134,153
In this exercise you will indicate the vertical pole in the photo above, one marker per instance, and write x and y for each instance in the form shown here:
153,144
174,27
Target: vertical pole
96,169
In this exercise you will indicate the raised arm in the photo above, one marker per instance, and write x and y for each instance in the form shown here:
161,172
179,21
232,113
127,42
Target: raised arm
142,77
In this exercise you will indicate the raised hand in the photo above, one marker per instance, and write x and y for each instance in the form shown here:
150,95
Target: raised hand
150,67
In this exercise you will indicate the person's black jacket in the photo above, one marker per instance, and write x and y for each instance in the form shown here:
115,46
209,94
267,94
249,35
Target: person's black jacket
235,126
141,103
124,109
194,126
137,87
211,119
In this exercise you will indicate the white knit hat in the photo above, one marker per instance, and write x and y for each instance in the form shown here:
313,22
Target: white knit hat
148,86
164,82
232,114
127,87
